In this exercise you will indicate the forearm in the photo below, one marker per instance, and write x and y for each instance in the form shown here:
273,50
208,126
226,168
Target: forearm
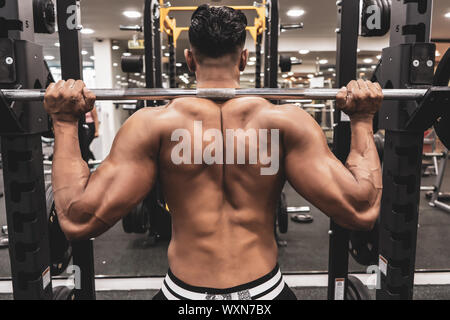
70,175
364,163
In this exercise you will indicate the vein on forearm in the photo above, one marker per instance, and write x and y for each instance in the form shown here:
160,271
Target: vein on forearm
70,173
363,162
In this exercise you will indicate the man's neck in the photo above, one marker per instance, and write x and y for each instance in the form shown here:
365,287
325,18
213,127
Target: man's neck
217,78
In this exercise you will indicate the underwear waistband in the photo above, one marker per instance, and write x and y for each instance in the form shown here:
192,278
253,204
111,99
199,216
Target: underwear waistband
265,288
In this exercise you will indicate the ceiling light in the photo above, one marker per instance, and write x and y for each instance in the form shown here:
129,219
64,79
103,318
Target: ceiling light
379,56
304,51
323,61
310,76
84,52
358,50
115,64
118,76
92,57
447,15
290,73
251,63
132,14
363,69
295,13
126,54
252,59
167,54
330,69
293,59
49,58
87,31
368,60
137,74
57,44
284,75
115,47
179,64
374,67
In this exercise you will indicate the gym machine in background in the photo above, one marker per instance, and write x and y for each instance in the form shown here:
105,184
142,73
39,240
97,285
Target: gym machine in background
409,62
38,248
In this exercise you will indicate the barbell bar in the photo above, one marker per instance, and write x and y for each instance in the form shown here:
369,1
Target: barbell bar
216,94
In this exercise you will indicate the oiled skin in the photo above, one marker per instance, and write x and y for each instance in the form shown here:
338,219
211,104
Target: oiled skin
222,215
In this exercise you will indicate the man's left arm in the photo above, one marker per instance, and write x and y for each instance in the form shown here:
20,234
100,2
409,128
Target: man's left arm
89,204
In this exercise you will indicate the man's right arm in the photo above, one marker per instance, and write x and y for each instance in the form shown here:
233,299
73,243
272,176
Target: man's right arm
349,194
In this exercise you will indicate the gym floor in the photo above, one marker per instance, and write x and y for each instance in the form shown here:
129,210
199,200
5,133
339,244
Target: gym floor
123,256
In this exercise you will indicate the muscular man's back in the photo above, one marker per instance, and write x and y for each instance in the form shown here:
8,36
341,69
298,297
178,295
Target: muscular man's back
222,200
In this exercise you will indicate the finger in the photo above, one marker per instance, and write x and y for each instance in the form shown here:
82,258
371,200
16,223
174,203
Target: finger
89,97
60,85
341,97
372,88
362,85
69,84
378,86
353,85
78,86
50,87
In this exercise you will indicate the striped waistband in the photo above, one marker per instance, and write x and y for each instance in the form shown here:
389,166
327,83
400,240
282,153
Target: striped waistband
265,288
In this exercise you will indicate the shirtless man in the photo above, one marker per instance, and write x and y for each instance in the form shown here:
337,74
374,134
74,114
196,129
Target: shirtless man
222,205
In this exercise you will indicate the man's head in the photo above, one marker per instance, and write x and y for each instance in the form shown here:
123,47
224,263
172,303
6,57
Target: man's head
217,34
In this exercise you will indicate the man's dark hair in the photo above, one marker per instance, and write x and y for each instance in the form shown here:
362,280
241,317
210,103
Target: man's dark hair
217,31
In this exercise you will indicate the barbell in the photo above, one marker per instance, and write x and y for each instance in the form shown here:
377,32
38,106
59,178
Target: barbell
216,94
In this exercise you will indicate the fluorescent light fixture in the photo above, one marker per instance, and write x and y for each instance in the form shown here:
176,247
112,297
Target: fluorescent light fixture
310,76
374,67
323,61
331,69
115,64
284,75
290,73
137,74
304,51
118,76
49,58
126,54
179,65
252,59
358,50
92,57
368,60
132,14
293,59
57,44
295,13
115,47
84,52
447,15
167,54
87,31
379,56
251,63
